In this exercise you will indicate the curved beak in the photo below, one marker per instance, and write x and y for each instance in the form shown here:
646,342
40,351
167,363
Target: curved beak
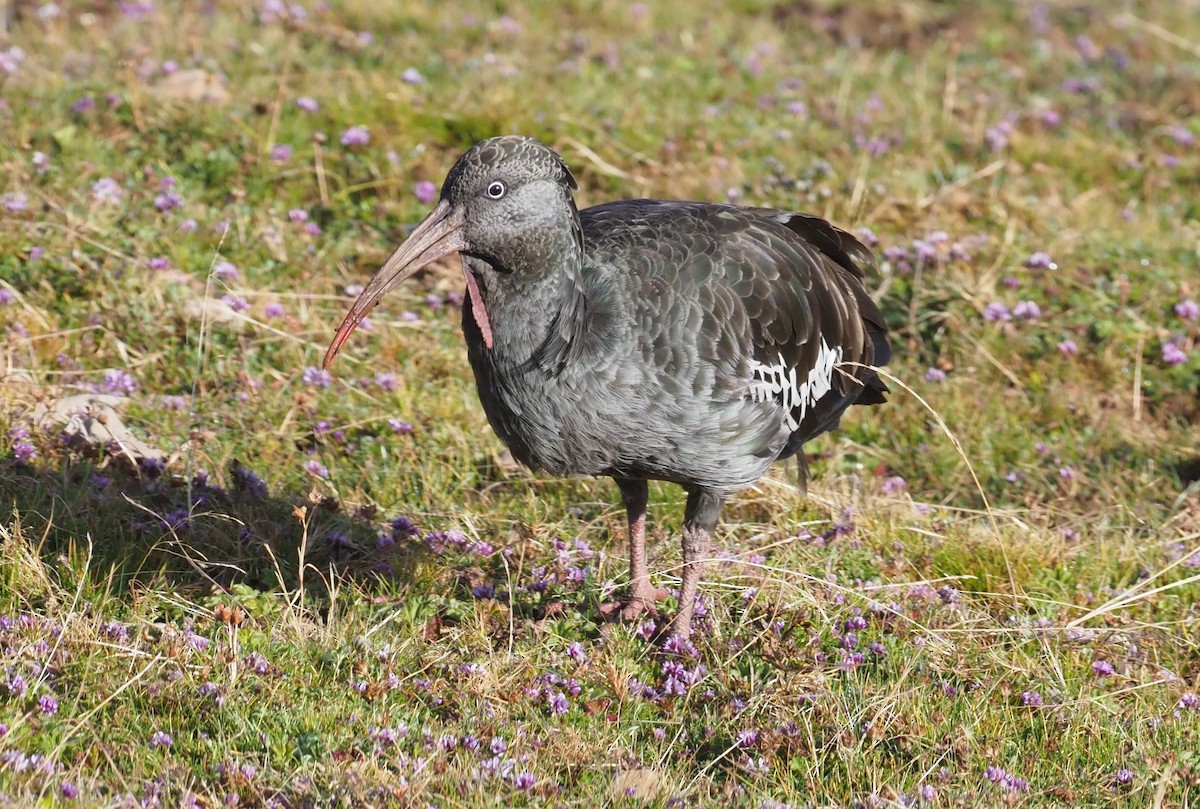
438,235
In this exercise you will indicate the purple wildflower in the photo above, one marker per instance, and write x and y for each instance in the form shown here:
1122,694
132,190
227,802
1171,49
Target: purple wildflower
83,104
135,10
107,191
1181,135
1123,776
24,452
995,774
356,136
1040,261
925,250
15,202
400,427
1173,354
927,793
114,630
1012,783
281,152
298,215
273,310
524,781
1087,48
17,686
851,661
161,739
1067,348
575,651
1026,310
935,375
508,25
1188,309
996,311
235,302
557,702
48,705
119,382
1103,668
425,191
225,270
894,485
168,201
404,528
1189,702
1031,699
307,104
257,663
10,59
69,790
317,377
997,135
412,76
316,468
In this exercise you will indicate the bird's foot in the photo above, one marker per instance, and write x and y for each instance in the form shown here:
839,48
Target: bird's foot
639,602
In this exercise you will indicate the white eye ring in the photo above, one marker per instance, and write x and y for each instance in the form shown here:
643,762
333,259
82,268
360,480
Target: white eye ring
495,189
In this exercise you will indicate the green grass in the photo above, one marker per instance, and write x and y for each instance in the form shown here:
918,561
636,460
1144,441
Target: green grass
295,660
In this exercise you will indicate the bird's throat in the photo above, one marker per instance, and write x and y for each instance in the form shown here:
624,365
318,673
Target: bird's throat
478,310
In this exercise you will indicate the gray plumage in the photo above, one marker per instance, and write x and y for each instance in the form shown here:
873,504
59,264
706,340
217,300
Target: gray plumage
648,339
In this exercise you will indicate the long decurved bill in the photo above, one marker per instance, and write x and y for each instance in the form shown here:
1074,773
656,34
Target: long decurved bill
439,234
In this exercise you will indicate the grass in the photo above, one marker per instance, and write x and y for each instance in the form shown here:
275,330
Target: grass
989,599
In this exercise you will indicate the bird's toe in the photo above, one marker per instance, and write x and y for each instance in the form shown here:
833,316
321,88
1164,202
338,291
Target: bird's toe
634,606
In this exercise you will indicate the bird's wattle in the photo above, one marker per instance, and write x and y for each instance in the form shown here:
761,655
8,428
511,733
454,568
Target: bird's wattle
478,310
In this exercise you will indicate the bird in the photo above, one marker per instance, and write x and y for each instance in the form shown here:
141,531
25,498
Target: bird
642,339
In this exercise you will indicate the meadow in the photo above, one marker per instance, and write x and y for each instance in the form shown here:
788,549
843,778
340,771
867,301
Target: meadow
231,578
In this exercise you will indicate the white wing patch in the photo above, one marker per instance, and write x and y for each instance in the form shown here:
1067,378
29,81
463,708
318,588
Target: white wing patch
778,381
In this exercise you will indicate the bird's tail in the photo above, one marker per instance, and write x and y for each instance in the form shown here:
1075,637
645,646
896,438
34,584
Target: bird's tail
873,390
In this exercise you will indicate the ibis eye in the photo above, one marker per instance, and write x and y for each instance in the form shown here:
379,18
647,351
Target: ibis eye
496,189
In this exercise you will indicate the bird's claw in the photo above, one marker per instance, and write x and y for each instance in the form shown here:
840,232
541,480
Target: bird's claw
634,605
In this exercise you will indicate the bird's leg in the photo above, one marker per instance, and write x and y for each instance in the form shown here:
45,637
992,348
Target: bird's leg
641,596
699,519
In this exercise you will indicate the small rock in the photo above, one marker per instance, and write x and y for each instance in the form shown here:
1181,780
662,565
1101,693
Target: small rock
90,421
642,783
194,86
